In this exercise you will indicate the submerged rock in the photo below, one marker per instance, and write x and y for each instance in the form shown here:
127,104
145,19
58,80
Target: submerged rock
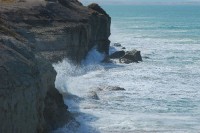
146,57
114,88
93,95
117,55
110,88
131,56
117,45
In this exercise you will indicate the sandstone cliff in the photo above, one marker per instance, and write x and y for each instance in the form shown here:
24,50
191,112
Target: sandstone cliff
33,34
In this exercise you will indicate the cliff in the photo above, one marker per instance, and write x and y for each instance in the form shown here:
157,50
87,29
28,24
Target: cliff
33,34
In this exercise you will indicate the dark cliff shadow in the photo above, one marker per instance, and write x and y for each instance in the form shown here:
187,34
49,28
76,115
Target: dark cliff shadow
73,101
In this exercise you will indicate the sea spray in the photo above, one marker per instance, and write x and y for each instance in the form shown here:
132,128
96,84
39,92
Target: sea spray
69,83
68,73
161,93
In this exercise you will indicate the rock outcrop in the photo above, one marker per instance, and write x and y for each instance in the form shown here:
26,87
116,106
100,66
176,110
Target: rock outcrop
117,54
131,56
126,56
93,95
117,45
33,34
112,88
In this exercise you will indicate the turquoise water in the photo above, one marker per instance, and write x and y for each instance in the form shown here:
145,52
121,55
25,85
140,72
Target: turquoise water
162,92
169,22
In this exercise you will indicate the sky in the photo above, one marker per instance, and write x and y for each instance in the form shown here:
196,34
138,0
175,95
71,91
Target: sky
142,2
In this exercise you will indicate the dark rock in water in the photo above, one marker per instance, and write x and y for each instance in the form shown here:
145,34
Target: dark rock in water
117,45
117,54
123,48
126,61
131,56
110,88
114,88
93,95
146,57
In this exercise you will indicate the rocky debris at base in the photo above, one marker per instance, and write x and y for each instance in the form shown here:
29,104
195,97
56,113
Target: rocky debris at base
146,57
93,95
110,88
126,57
117,45
114,88
131,56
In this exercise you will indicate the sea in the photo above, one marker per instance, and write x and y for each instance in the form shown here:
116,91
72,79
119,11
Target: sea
162,93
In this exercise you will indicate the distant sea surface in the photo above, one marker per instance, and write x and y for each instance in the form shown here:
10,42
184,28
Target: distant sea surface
162,93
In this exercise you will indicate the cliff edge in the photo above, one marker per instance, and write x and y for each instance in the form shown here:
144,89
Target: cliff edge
33,34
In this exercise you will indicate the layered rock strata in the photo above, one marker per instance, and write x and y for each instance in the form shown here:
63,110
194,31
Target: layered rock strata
33,34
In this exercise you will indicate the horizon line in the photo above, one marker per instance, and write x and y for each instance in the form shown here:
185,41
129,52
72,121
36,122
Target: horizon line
146,3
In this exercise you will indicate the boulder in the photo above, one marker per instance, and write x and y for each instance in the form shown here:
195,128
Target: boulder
131,56
117,45
117,54
114,88
93,95
146,57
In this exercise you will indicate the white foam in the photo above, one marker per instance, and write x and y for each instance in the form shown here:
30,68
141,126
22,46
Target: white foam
162,93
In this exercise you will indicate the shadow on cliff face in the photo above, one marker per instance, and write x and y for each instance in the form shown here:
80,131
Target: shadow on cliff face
83,127
50,31
66,70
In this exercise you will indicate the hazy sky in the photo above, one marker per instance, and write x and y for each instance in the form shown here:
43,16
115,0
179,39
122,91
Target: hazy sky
164,2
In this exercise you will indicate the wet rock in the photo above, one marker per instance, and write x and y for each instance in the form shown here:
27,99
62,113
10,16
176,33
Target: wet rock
93,95
117,55
110,88
131,56
123,48
146,57
114,88
117,45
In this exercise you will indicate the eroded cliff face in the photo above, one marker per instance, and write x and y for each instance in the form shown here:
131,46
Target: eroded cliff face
33,34
62,28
